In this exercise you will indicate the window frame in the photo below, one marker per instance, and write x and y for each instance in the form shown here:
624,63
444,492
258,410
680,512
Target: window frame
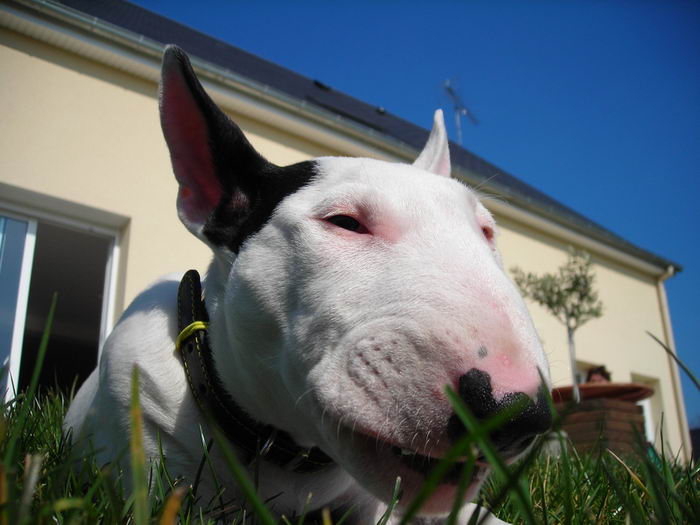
107,317
18,323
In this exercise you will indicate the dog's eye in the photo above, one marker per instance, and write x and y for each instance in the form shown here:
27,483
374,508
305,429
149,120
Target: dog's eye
347,223
488,232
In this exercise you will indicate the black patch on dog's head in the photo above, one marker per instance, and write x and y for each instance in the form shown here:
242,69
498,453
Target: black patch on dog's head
230,225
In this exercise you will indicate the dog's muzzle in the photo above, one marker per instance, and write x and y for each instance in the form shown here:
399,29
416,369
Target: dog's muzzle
529,417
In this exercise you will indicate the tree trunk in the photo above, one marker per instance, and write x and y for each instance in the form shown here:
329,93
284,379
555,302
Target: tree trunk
572,356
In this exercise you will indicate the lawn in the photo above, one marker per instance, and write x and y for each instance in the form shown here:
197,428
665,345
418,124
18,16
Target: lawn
40,482
44,480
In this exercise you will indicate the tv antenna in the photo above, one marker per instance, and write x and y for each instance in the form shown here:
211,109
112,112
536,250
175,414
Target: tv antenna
459,108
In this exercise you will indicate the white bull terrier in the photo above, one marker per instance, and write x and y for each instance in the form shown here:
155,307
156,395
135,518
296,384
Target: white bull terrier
343,295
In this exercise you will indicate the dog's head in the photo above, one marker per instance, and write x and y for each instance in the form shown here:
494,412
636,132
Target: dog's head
347,293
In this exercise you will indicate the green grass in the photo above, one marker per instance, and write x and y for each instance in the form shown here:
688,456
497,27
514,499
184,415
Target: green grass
44,480
41,483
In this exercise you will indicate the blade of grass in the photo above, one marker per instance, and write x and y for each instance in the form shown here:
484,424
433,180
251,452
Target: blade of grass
657,497
675,358
691,486
242,478
64,504
631,473
198,476
474,518
568,489
304,510
346,515
172,507
31,476
632,506
138,459
19,425
463,484
23,404
543,494
667,482
662,483
326,516
161,473
489,451
4,519
96,485
457,451
606,495
114,502
460,449
433,479
516,476
219,489
396,496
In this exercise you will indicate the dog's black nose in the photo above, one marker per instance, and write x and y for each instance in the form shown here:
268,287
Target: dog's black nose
519,430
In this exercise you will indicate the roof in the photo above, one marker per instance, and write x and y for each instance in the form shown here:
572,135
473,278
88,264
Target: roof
374,120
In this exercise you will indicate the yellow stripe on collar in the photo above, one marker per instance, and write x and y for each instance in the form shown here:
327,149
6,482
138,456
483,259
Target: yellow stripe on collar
188,331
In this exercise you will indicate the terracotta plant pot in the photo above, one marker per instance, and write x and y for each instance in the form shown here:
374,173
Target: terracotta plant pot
606,418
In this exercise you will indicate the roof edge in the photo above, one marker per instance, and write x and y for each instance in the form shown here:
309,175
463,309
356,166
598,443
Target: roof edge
143,56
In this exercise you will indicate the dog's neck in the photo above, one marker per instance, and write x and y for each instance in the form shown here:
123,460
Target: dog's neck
242,358
239,363
236,357
214,282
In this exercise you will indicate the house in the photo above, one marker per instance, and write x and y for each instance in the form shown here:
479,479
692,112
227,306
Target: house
87,196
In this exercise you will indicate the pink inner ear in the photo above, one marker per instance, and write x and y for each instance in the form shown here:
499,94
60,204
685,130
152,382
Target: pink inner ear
187,136
443,166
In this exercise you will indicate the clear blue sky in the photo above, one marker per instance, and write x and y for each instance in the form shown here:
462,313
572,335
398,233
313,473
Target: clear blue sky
596,103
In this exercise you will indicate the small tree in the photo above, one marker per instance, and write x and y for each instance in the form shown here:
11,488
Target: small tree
568,295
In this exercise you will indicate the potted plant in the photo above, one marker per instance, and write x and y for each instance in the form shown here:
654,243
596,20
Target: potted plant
568,295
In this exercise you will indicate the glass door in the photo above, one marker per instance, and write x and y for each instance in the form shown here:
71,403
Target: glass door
17,238
73,263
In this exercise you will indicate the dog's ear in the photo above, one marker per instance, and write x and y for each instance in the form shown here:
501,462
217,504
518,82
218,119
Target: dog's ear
435,156
218,170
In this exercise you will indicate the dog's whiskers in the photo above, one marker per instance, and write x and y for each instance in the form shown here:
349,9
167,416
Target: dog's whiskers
270,361
337,428
378,439
484,182
354,424
437,444
296,403
413,439
401,422
323,415
427,442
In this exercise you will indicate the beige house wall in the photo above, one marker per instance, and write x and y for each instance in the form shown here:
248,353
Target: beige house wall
88,134
618,339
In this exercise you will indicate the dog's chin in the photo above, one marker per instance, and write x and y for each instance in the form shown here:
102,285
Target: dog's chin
376,464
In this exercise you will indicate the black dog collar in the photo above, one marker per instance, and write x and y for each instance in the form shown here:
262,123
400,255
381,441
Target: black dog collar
253,437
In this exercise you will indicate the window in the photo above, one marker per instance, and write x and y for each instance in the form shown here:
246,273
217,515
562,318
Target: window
652,407
37,258
16,249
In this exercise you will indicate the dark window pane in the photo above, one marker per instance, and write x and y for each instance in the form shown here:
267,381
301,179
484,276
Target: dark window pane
73,264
